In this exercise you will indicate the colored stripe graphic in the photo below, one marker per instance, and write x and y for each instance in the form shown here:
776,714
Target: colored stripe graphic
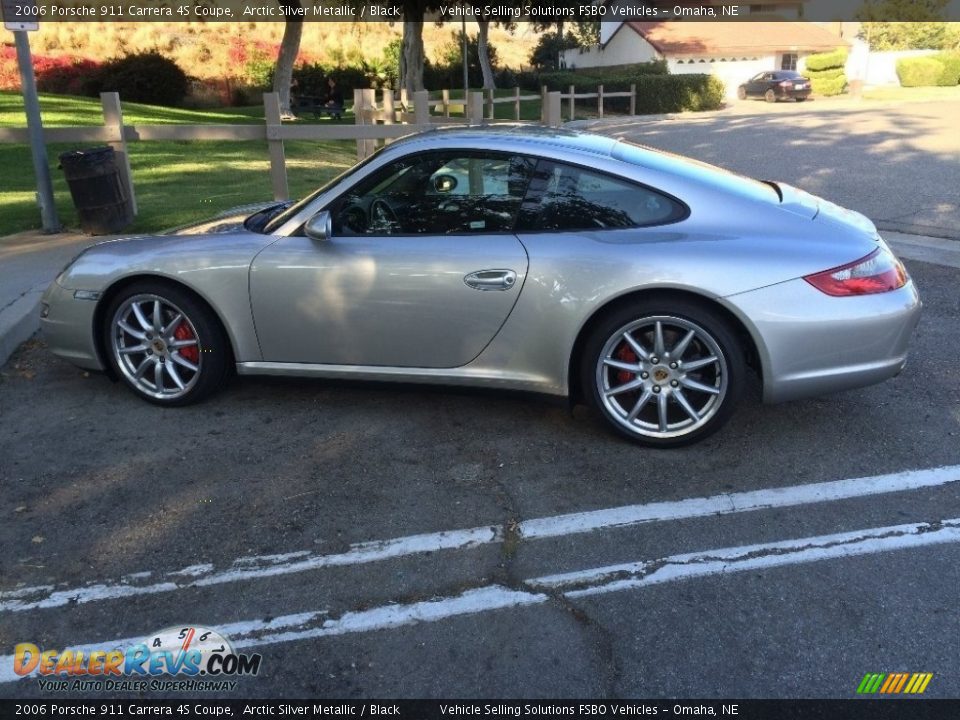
894,683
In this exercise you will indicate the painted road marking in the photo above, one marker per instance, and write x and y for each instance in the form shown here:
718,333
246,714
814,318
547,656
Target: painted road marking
584,583
251,568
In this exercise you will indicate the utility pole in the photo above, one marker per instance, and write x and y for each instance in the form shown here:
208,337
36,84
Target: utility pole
466,76
31,104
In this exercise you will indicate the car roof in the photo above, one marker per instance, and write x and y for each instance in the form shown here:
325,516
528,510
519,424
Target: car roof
513,135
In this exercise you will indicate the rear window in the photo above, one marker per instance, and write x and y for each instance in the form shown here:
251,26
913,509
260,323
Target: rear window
695,171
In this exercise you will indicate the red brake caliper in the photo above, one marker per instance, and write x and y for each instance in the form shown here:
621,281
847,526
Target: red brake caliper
627,355
190,352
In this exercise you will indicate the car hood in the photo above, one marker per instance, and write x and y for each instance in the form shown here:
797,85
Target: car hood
229,221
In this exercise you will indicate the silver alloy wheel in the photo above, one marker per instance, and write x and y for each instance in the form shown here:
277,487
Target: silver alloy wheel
662,376
149,336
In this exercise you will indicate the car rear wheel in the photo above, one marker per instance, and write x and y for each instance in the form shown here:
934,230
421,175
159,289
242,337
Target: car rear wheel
770,96
742,93
664,373
166,345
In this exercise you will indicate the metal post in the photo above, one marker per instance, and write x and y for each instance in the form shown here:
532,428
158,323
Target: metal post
573,102
466,76
41,166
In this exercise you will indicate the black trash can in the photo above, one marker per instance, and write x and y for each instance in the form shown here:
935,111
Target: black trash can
98,193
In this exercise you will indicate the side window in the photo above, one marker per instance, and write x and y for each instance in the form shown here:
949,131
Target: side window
565,197
436,194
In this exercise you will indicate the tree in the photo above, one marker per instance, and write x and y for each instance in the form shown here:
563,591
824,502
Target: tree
901,10
909,35
482,14
412,57
549,48
287,56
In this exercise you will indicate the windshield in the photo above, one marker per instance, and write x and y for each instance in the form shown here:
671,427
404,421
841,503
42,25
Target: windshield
292,211
694,170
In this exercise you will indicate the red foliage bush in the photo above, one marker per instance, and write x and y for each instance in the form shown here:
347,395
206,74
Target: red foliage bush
63,74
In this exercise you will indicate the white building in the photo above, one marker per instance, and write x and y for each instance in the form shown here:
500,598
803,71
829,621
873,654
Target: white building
733,51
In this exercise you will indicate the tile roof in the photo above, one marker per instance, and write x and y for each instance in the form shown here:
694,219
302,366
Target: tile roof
716,38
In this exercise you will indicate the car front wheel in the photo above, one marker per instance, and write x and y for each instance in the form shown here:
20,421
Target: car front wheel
742,93
664,373
165,345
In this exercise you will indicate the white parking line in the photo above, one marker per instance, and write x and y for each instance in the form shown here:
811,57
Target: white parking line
252,568
596,581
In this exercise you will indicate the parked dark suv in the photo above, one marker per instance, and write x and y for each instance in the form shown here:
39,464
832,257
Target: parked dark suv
774,85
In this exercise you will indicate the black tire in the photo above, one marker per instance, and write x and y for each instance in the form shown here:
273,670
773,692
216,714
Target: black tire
199,339
800,99
742,93
678,317
770,96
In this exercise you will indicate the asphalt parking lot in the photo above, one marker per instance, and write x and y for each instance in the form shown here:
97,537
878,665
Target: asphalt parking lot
403,541
898,163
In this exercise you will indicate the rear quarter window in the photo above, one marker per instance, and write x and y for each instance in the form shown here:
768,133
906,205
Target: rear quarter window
565,197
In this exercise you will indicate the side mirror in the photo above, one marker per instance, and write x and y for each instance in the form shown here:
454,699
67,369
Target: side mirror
320,226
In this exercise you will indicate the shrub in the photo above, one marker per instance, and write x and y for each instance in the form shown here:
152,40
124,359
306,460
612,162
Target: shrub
920,71
826,61
64,75
829,86
826,72
312,79
147,77
951,69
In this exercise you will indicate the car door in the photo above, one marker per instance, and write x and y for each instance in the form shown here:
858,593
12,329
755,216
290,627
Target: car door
421,269
754,84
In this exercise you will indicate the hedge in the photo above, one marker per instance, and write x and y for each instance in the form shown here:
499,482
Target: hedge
924,71
563,79
826,61
951,68
829,86
826,72
830,74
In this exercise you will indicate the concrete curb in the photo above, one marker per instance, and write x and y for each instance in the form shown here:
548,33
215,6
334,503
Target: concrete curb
19,321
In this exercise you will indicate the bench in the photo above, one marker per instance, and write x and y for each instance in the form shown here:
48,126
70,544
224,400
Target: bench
316,106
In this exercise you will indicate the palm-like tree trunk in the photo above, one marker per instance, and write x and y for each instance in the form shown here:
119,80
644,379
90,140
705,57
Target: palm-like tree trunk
483,50
412,57
289,49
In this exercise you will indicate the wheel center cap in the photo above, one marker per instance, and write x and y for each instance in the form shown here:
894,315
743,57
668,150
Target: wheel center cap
159,346
660,374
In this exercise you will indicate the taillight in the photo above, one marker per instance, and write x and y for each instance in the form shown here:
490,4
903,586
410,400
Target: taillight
786,83
878,272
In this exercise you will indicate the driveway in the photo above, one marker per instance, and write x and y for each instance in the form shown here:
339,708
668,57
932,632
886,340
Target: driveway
897,163
400,541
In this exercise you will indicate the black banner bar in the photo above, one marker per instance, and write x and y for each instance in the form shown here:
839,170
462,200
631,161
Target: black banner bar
555,10
854,709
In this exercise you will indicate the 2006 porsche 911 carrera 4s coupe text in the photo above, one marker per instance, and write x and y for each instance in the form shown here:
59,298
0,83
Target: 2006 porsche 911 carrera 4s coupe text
565,263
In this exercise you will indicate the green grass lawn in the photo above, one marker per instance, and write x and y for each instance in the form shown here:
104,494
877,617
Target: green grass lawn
175,182
912,94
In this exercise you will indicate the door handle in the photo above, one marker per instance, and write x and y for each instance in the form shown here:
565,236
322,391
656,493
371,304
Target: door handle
491,279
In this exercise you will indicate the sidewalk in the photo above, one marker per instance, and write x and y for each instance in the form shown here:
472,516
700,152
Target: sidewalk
30,261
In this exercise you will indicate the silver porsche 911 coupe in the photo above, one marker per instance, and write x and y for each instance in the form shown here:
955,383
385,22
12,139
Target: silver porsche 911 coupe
565,263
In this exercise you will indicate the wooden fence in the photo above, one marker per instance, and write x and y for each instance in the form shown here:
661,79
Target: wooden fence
375,121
